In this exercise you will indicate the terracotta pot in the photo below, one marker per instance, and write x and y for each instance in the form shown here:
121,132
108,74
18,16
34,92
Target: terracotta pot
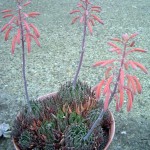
111,131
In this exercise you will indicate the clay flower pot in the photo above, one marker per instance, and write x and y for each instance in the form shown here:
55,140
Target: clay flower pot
111,130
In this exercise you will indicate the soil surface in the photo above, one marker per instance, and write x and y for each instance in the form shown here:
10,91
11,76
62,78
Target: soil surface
56,61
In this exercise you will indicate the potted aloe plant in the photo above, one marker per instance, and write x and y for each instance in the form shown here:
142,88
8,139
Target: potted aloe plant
75,117
72,107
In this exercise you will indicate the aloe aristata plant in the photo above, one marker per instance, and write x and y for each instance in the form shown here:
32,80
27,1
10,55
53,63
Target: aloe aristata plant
25,32
118,82
85,15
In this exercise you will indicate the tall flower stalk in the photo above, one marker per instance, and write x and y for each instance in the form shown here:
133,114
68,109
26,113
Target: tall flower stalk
118,81
23,35
85,17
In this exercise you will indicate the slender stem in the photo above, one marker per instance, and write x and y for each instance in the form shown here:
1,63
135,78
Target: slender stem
23,58
82,50
100,117
101,114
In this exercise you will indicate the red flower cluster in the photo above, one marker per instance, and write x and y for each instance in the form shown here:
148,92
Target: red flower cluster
116,84
23,29
85,10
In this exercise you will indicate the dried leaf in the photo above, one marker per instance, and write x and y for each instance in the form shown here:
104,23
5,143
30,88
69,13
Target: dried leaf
88,104
82,107
78,110
69,110
64,108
